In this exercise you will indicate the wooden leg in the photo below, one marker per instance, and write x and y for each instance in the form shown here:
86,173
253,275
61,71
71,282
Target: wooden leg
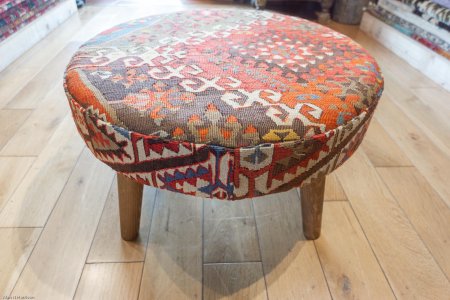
130,202
311,196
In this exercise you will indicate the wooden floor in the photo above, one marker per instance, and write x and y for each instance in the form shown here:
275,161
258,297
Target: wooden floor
386,223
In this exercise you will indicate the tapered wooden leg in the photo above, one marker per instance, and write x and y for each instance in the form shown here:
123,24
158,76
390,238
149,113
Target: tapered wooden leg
311,196
130,202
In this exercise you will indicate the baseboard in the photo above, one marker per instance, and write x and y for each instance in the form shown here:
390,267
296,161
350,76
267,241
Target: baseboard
25,38
431,64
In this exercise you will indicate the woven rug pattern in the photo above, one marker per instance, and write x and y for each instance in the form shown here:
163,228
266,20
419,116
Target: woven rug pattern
225,104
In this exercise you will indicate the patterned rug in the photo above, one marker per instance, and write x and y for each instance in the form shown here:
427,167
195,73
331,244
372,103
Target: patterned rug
15,14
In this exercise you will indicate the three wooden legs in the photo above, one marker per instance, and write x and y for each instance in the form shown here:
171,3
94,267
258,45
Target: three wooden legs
130,202
311,196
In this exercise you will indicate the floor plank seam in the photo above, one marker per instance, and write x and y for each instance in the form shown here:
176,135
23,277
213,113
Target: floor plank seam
371,249
20,227
93,238
435,138
113,262
336,200
12,194
437,193
259,248
390,166
323,271
435,141
26,263
155,198
8,155
233,262
414,227
31,109
48,217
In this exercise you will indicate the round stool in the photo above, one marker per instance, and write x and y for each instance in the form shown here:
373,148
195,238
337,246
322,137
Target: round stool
227,104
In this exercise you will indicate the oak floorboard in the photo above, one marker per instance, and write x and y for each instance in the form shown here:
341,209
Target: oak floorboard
433,112
57,261
391,63
427,107
42,53
108,245
25,68
173,263
16,246
234,281
351,268
427,212
408,265
33,200
112,281
291,265
29,139
381,148
13,80
12,171
229,232
10,121
37,59
333,189
429,159
31,95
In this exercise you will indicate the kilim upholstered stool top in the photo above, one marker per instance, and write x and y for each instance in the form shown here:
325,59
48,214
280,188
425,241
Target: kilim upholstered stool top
227,104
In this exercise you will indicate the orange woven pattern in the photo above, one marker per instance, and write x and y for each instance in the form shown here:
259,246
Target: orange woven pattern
226,104
229,78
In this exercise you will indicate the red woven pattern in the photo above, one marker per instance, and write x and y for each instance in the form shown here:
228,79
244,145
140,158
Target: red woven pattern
226,104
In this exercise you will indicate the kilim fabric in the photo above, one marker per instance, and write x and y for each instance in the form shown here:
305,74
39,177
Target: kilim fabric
15,14
404,22
430,9
226,104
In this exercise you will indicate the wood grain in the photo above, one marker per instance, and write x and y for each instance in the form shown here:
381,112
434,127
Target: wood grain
427,107
35,197
407,263
12,171
173,264
382,149
130,204
229,232
286,256
16,246
108,245
311,197
427,212
31,95
433,101
55,266
110,281
10,122
350,266
12,80
429,159
39,127
234,281
333,189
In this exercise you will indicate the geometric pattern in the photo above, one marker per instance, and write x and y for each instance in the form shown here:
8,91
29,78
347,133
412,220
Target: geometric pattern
226,104
15,14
